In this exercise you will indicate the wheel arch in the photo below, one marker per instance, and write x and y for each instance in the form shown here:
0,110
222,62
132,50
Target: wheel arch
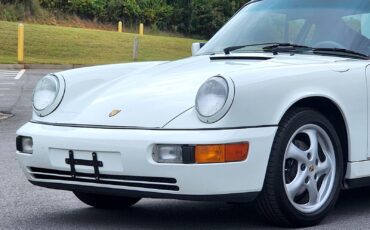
332,111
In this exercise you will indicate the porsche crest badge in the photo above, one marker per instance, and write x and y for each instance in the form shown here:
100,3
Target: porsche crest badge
114,112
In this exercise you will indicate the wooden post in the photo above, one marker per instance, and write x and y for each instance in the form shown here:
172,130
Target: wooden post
120,27
136,48
141,30
20,43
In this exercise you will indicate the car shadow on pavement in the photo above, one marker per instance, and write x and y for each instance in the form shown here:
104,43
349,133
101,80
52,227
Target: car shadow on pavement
353,206
161,214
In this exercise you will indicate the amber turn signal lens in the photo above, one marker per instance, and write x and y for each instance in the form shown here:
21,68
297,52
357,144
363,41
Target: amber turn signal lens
236,152
221,153
210,153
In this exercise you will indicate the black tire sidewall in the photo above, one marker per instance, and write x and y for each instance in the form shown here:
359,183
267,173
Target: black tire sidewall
288,128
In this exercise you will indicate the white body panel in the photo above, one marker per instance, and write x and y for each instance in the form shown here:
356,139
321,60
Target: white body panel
161,97
129,152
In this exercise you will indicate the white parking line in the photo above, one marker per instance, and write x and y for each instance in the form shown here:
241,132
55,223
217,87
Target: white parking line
20,74
7,83
4,89
4,74
8,71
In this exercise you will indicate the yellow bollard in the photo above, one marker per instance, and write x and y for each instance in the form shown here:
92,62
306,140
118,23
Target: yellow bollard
141,31
120,27
20,43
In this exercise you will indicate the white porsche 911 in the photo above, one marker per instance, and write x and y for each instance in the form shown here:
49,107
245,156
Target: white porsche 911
274,108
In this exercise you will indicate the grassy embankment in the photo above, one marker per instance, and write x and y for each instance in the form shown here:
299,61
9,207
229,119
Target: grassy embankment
63,45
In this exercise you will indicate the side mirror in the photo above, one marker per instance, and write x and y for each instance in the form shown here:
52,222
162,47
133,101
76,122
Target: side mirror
196,47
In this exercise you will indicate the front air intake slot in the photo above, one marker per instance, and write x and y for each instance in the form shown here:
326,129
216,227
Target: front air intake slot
159,183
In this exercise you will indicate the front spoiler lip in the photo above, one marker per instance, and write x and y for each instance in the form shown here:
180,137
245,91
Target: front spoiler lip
233,197
90,126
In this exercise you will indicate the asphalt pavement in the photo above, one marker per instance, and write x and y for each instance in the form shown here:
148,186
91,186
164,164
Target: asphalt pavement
24,206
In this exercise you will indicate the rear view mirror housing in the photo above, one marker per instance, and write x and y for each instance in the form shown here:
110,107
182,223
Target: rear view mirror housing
196,47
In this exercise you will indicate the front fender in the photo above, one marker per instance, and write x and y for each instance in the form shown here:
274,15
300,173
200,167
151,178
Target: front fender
262,97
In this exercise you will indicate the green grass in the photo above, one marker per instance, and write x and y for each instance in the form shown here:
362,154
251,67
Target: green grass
63,45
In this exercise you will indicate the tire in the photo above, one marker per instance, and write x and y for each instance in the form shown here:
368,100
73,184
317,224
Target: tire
289,197
106,202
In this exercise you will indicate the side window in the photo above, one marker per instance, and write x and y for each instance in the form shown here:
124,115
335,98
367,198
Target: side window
270,29
353,21
277,28
294,29
359,23
310,35
280,29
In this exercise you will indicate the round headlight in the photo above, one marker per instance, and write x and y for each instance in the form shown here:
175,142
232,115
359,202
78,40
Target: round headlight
214,99
48,94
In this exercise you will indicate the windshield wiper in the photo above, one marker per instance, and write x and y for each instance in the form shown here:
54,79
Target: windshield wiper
285,47
289,47
340,52
230,49
270,46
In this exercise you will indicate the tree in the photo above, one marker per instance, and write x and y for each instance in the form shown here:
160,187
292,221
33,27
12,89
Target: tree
191,17
208,16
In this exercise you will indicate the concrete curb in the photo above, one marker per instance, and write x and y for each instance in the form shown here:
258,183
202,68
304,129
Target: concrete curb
40,66
11,66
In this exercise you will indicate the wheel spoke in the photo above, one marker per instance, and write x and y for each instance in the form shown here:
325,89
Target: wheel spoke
314,147
295,153
296,185
324,167
312,192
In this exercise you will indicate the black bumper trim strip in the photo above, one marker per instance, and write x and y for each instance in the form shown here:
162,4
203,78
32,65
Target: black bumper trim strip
106,176
87,126
127,184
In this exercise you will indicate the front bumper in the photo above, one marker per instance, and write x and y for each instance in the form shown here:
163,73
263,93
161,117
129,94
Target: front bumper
130,170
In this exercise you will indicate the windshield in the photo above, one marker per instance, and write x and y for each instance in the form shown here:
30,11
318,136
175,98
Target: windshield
342,24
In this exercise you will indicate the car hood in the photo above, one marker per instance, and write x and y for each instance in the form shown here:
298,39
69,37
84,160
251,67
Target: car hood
152,94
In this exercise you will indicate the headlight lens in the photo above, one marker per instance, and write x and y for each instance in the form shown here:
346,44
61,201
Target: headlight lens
48,94
45,92
214,99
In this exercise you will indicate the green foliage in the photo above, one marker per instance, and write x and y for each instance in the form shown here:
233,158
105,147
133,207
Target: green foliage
155,12
14,10
118,10
191,17
207,16
10,12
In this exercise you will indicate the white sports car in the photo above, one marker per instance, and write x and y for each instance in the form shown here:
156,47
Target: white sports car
274,108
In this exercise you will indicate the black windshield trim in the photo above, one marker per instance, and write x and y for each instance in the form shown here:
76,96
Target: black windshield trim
239,58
